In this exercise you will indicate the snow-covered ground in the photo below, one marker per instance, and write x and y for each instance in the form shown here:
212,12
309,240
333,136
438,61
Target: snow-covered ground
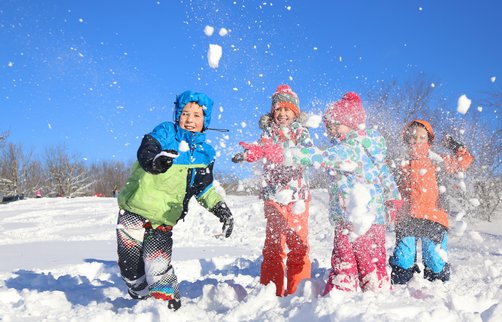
57,263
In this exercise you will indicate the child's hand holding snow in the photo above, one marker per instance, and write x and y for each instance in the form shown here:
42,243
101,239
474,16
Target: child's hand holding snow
163,161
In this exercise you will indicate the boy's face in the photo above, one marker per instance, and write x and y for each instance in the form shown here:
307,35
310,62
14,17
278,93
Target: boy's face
336,130
192,117
416,135
283,116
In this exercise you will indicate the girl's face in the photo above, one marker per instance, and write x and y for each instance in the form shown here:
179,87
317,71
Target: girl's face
192,117
416,135
336,130
283,116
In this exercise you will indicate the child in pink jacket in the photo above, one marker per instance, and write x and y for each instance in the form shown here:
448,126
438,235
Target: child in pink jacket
360,183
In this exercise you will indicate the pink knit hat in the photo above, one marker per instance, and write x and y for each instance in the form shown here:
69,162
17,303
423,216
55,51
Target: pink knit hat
285,97
347,111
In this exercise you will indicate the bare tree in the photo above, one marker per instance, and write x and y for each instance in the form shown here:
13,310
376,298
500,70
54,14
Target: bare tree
17,170
394,105
109,176
66,176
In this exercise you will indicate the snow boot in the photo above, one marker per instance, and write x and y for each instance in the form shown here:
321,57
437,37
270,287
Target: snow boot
443,276
136,296
174,304
400,275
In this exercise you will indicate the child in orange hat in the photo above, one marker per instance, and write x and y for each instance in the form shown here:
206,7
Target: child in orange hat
285,193
421,216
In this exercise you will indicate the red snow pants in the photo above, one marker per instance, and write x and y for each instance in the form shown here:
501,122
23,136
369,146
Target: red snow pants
285,228
359,263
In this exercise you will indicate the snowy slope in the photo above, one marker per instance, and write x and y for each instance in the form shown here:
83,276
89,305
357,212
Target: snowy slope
58,264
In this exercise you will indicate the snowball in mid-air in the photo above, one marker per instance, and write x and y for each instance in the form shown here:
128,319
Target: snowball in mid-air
313,121
463,104
299,207
214,55
493,79
223,32
475,202
208,30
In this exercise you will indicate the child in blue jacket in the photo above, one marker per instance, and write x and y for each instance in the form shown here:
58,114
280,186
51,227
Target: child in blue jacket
174,164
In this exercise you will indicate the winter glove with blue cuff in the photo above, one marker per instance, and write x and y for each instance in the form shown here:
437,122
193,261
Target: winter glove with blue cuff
223,213
452,144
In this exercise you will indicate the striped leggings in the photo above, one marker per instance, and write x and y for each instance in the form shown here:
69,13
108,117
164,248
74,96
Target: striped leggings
144,258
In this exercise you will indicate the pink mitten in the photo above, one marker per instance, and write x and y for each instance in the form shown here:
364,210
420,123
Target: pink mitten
273,153
253,152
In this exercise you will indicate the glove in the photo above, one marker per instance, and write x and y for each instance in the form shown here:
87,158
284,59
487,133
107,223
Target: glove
163,161
239,157
273,153
392,208
452,144
223,213
253,152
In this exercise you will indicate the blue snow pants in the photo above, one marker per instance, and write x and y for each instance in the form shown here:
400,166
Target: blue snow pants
434,251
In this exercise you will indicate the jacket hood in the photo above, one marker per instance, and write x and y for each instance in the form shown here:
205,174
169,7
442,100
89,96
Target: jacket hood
200,98
425,124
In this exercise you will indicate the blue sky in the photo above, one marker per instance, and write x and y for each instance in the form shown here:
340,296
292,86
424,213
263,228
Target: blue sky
96,76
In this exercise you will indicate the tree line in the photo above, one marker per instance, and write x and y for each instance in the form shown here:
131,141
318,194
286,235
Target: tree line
56,174
389,108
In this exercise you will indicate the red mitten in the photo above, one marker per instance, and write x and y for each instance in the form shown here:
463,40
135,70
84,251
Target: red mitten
273,153
393,207
253,152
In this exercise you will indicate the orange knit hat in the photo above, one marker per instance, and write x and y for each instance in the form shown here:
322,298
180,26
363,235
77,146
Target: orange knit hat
285,97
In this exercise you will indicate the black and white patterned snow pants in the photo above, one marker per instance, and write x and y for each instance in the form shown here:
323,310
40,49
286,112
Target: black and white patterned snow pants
145,258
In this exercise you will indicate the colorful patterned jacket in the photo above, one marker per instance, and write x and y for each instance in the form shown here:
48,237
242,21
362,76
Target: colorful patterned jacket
359,178
283,183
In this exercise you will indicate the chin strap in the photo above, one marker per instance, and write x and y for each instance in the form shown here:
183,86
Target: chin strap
217,130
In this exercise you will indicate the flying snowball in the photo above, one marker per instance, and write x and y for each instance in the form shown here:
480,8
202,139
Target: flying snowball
475,202
223,32
313,121
208,30
493,79
214,55
463,104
